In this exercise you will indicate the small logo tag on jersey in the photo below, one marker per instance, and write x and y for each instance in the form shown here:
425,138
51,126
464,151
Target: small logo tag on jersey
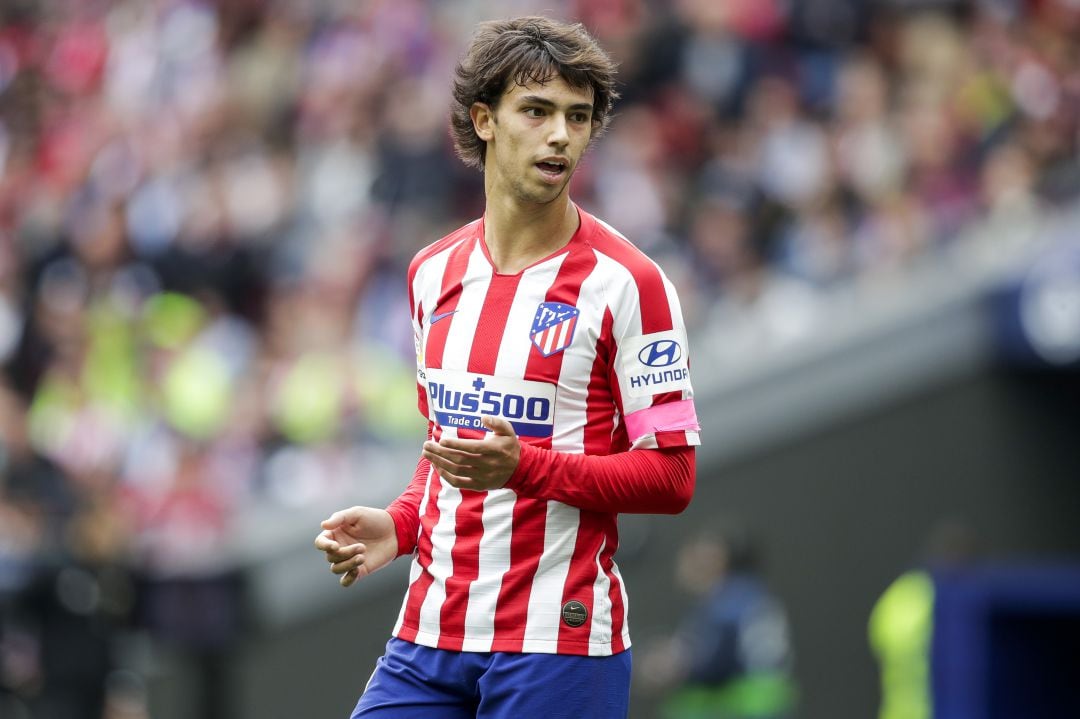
574,613
553,328
418,341
438,317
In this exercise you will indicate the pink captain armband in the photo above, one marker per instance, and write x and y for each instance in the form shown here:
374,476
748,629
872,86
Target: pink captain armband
668,417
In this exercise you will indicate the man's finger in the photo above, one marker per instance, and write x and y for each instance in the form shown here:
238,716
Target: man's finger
445,465
455,454
334,521
456,480
344,553
499,426
449,474
474,447
324,543
348,565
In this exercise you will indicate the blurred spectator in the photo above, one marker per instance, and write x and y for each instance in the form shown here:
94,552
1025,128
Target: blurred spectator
65,581
731,655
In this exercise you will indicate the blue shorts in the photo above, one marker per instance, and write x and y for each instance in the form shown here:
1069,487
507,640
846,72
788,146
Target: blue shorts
415,682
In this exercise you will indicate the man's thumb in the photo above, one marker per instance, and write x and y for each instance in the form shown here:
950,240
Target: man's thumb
334,521
499,426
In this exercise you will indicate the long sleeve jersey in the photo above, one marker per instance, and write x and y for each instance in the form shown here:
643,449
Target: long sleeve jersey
585,354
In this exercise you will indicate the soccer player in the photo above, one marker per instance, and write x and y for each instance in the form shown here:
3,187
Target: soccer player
552,366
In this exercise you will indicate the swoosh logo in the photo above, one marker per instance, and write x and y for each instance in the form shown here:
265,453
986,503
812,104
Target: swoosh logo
435,318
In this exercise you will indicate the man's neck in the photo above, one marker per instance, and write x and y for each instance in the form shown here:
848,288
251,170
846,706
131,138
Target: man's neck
518,234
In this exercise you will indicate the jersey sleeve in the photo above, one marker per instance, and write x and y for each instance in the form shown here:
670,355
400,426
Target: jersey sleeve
405,510
416,312
640,482
651,371
421,377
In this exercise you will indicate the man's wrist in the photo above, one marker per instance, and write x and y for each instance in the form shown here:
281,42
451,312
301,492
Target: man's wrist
526,460
406,542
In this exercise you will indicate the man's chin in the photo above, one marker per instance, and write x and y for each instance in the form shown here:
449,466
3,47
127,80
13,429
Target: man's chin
545,195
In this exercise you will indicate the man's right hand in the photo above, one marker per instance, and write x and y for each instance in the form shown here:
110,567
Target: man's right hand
357,541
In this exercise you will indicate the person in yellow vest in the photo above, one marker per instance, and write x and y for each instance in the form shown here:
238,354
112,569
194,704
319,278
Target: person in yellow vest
901,626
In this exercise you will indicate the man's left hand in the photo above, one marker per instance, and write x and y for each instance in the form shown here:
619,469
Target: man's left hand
477,464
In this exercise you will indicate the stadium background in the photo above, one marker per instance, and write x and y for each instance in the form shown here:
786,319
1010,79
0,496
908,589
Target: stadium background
206,209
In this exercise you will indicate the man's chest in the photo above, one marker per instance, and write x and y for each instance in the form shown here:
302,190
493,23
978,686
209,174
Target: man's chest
508,347
510,326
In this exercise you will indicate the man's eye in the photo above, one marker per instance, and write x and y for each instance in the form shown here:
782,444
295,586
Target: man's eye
534,112
579,117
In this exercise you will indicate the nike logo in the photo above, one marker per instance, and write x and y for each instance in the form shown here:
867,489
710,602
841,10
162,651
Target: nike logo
435,318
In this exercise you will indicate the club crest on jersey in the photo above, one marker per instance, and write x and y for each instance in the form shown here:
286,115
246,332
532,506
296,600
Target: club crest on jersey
553,327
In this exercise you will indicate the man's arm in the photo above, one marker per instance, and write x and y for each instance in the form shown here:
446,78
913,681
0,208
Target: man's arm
653,481
405,510
643,481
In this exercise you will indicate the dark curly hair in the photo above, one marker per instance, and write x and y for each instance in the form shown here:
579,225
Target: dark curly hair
520,51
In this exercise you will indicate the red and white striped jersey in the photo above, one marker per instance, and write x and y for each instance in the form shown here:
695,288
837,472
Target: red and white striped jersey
583,352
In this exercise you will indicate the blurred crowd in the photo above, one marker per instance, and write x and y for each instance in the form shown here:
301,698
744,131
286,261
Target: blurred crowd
207,208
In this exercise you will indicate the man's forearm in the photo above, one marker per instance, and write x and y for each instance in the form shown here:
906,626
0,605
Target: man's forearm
643,481
405,510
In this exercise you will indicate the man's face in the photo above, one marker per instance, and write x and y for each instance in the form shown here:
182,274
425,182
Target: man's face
535,138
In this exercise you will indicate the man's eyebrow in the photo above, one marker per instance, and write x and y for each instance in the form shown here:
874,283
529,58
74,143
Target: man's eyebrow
537,100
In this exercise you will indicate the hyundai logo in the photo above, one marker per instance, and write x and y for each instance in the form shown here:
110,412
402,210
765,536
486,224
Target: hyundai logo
660,353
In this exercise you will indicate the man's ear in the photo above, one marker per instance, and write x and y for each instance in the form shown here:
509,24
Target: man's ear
483,119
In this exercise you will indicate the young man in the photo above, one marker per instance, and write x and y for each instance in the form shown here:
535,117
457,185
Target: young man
552,365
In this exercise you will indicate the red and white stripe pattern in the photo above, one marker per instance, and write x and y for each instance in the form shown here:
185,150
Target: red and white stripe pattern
555,338
492,570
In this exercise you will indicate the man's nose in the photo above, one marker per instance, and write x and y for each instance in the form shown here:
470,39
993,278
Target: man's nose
558,133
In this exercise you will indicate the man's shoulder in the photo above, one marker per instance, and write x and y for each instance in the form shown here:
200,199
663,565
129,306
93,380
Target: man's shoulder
442,244
618,248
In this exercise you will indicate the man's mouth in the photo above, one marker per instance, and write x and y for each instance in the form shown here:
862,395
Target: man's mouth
553,168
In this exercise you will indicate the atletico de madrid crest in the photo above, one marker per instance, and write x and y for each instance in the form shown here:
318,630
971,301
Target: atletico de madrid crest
553,328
